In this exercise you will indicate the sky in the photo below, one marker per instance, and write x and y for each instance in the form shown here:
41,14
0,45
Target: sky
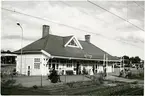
108,32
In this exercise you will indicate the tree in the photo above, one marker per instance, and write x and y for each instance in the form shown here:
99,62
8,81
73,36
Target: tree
8,51
137,59
126,60
132,60
2,51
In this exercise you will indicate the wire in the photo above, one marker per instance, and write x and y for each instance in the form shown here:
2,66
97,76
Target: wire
101,20
84,12
138,5
65,25
52,21
115,15
129,43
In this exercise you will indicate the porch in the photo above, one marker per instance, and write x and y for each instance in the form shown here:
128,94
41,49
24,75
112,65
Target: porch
77,67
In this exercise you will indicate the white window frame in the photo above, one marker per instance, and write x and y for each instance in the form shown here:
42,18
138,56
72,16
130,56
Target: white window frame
75,41
37,62
69,65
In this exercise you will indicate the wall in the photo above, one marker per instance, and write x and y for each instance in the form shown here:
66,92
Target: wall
109,68
28,60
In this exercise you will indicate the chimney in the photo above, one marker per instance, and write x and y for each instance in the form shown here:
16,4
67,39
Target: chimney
45,30
87,38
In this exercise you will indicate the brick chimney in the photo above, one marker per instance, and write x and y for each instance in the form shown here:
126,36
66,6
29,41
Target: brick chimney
87,38
45,30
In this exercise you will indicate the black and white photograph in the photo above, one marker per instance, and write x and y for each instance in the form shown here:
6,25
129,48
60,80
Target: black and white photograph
72,47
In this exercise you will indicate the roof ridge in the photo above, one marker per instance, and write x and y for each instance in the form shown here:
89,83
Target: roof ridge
68,36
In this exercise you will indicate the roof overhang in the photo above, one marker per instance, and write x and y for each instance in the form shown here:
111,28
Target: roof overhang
91,59
46,53
3,54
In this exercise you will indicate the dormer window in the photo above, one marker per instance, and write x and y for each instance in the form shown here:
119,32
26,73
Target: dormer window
73,42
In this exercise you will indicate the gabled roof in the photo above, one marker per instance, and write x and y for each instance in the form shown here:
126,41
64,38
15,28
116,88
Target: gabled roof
66,39
54,45
75,41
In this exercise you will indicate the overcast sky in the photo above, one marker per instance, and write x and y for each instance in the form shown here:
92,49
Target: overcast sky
113,35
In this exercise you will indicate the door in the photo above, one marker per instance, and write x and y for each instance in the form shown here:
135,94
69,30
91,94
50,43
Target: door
28,71
53,66
78,69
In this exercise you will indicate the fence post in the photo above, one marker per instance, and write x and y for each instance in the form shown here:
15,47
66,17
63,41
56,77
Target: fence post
41,80
65,78
83,77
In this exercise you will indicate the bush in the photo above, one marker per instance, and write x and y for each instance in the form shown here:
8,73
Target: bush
121,73
7,83
69,72
135,82
101,79
137,76
101,74
141,74
54,77
70,84
35,87
97,79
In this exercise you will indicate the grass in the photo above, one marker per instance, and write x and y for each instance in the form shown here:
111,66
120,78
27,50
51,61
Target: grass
117,90
8,88
134,74
139,75
129,91
72,88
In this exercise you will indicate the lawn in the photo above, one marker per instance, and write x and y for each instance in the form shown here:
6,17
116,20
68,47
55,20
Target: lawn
70,85
75,88
29,81
117,90
135,74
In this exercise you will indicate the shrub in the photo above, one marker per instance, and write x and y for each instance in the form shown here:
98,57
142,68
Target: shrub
101,74
54,79
35,87
141,74
98,79
129,74
135,82
7,83
136,75
121,73
54,76
101,79
70,84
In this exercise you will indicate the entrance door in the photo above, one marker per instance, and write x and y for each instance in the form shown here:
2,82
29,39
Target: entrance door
78,69
28,71
53,66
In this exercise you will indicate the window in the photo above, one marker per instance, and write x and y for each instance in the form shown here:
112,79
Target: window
49,66
69,65
36,63
72,43
57,66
